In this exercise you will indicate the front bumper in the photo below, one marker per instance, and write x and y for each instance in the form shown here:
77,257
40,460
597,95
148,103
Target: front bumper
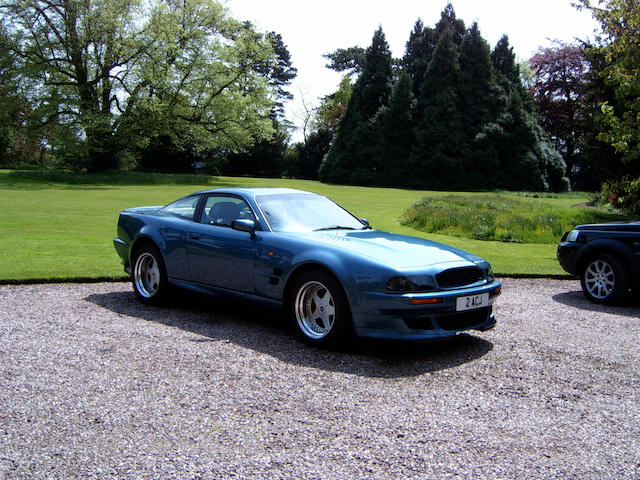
568,256
392,316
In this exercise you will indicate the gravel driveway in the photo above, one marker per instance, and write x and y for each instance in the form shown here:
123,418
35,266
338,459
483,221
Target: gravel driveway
95,385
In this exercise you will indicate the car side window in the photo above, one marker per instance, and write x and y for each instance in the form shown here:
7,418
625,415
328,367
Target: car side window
222,210
184,208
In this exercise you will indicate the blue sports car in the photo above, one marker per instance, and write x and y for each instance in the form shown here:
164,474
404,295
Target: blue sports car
331,272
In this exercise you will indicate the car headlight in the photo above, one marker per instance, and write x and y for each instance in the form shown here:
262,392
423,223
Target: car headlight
413,283
490,275
573,235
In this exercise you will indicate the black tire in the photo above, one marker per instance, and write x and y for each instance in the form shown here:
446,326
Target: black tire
149,275
604,279
319,310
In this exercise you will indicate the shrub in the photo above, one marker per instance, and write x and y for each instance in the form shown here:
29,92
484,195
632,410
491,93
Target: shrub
623,195
501,217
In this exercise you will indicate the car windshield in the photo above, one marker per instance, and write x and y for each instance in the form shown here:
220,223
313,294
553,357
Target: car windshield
305,212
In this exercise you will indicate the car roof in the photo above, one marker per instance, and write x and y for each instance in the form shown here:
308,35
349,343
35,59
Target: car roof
255,191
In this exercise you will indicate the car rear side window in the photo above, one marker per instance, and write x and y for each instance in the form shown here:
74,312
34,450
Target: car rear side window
184,208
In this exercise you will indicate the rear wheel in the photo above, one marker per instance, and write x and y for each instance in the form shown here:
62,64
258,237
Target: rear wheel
149,275
319,309
604,279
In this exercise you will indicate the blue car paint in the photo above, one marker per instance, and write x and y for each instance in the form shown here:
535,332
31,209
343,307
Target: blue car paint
362,261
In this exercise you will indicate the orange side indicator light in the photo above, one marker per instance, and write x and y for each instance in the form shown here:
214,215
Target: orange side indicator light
424,301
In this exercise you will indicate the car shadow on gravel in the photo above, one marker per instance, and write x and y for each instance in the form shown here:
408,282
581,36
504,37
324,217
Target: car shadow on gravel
267,332
576,299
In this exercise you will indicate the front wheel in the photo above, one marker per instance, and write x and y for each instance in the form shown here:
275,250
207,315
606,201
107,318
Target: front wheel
319,309
149,275
604,279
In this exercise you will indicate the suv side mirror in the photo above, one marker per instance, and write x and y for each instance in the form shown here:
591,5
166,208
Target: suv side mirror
366,222
245,225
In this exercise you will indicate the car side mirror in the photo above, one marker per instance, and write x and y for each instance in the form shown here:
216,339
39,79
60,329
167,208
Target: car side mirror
245,225
366,222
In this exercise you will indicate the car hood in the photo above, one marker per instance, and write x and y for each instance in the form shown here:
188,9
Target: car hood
612,227
398,251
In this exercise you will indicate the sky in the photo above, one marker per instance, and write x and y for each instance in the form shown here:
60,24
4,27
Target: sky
310,29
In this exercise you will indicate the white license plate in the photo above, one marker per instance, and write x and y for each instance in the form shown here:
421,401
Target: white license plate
472,301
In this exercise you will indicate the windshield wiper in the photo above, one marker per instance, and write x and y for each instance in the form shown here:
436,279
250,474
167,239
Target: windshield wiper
333,227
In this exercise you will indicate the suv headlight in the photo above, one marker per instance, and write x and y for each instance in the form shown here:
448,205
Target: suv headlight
573,235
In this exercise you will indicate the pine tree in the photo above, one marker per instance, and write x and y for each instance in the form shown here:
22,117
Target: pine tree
349,159
436,153
392,130
527,158
418,52
449,21
480,105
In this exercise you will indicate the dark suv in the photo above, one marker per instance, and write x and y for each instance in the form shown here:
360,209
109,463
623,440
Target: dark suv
605,256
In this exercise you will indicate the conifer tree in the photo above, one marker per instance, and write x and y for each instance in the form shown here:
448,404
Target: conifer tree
392,137
480,105
349,159
527,159
449,21
418,52
436,153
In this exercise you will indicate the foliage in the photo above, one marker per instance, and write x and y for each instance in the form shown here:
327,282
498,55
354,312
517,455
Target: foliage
114,76
560,91
309,154
349,159
19,139
500,218
472,127
263,159
623,194
350,60
620,51
332,107
437,149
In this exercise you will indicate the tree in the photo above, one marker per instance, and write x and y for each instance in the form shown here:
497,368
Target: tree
327,116
392,136
436,156
449,21
349,160
12,105
620,55
265,157
350,60
418,51
310,154
481,105
118,73
527,159
560,88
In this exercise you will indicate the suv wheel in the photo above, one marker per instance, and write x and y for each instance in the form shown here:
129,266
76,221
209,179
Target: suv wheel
604,279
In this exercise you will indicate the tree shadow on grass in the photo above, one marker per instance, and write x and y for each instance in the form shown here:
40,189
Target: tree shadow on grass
38,180
267,332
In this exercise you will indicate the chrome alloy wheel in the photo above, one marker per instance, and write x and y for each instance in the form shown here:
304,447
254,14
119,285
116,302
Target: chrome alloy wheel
147,275
315,310
600,279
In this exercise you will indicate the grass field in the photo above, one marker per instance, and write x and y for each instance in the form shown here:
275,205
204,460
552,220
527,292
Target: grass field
60,226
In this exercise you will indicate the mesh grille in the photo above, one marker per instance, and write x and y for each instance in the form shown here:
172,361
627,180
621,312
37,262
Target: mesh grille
458,277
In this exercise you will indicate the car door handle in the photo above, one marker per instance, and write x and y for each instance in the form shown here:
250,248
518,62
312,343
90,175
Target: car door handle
193,236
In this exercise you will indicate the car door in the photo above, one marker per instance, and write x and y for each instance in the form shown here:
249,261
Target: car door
218,255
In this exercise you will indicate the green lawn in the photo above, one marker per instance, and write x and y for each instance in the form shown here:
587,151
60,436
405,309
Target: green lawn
61,226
